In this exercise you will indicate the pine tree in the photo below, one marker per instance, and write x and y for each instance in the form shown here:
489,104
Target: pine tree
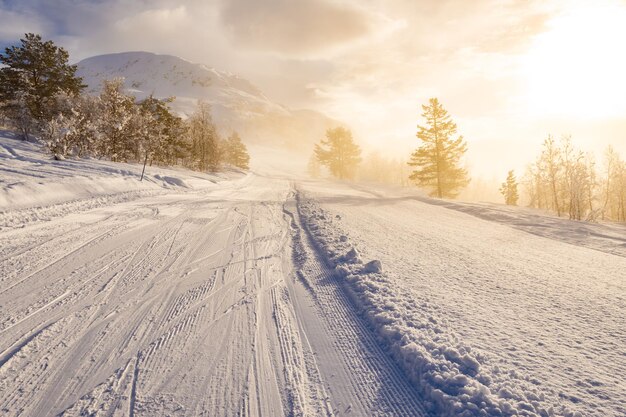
509,190
437,159
339,153
34,74
235,152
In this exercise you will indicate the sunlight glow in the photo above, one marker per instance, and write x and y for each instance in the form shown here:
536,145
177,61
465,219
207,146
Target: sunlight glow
577,68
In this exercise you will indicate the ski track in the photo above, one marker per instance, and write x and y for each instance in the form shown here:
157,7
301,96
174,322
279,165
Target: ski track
184,304
367,382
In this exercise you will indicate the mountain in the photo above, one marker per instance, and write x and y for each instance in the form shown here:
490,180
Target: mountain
237,104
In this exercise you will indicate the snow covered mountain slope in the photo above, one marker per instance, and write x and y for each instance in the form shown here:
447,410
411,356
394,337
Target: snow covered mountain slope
237,104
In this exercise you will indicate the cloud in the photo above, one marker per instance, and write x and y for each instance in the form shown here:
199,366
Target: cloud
14,24
305,28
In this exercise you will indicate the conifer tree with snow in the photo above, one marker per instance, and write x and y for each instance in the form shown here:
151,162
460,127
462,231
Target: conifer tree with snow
163,133
236,152
437,160
339,153
118,123
508,189
34,74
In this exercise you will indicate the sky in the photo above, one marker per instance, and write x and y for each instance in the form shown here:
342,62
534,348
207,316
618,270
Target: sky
509,72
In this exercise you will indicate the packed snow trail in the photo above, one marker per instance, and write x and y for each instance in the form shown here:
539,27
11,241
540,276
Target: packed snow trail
485,317
183,304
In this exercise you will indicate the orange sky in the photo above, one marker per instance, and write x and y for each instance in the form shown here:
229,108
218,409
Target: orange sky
509,72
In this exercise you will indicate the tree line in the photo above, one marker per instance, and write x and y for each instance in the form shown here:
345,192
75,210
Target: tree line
41,95
436,162
562,179
568,181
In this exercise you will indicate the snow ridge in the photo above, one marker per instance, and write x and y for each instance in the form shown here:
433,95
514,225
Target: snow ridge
449,374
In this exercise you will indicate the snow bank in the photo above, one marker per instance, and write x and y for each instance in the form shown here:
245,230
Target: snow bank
449,374
34,186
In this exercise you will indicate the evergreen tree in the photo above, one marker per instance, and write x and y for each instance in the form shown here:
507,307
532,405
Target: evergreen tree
509,190
118,124
437,159
235,152
339,153
34,74
163,132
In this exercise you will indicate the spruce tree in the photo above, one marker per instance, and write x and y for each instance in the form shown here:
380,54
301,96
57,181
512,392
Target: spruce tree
437,159
509,189
339,153
34,75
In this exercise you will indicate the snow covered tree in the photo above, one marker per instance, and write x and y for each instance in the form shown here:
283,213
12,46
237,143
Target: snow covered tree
550,168
509,189
339,153
235,152
205,140
614,186
18,114
163,133
34,74
82,124
118,123
438,158
563,179
53,133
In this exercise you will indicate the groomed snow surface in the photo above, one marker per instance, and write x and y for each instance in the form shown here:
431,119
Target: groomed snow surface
502,312
192,294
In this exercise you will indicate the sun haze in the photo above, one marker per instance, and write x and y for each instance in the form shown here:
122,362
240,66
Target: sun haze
510,73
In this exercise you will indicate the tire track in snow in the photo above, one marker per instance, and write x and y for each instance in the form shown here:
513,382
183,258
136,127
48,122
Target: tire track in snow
361,377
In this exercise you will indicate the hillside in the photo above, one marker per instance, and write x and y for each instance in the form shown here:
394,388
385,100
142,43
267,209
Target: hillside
237,103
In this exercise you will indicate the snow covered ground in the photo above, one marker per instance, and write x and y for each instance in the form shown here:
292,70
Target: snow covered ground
511,313
179,301
253,294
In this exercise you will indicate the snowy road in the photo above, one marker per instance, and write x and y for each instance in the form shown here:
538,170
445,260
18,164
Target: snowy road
185,303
